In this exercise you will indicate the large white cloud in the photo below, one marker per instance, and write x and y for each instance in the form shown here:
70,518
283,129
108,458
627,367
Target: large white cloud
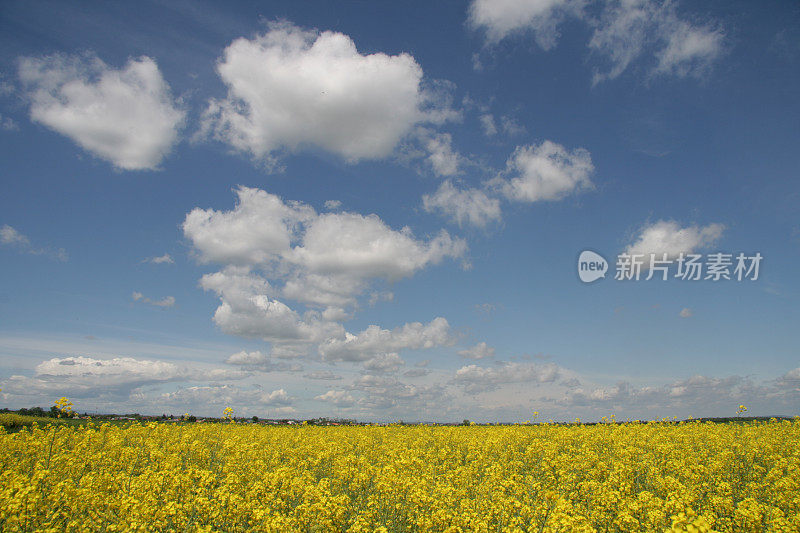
501,18
464,206
126,116
375,341
547,171
325,260
290,88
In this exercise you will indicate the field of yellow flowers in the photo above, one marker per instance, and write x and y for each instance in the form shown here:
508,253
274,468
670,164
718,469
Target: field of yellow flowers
692,476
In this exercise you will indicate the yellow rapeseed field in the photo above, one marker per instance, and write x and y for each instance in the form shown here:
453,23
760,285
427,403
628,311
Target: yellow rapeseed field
691,476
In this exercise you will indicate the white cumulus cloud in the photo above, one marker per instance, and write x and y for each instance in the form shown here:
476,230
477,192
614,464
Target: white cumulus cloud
276,255
547,171
257,231
325,260
290,88
668,237
125,116
248,310
388,362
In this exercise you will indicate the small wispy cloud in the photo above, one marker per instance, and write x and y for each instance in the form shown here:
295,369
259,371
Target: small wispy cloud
167,301
160,260
13,238
8,124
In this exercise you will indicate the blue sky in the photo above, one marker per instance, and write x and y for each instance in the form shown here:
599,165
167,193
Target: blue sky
375,211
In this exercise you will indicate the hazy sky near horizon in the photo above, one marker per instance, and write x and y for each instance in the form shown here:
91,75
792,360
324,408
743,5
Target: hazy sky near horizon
375,210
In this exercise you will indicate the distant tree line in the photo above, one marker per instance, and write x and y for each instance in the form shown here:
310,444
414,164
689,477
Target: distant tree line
53,412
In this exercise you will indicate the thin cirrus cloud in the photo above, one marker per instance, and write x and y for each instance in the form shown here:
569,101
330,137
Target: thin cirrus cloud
125,116
624,32
291,88
627,30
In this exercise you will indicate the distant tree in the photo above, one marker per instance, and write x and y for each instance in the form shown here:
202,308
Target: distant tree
255,418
